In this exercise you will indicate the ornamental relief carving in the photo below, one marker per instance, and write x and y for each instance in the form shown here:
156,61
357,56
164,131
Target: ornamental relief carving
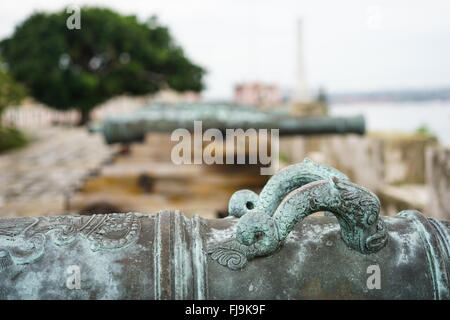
24,240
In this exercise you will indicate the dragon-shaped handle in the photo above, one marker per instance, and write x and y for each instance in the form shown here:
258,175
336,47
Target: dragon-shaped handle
261,232
278,187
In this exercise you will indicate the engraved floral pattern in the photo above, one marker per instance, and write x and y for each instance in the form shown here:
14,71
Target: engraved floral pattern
23,240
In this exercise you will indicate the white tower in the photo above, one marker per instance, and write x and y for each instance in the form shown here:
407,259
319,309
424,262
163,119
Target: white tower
301,90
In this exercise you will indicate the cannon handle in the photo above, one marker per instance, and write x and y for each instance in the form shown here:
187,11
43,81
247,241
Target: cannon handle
279,186
258,234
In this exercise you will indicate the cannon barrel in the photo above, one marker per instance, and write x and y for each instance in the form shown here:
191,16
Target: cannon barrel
133,256
156,118
264,249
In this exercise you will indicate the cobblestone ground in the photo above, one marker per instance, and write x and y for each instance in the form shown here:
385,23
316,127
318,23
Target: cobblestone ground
36,180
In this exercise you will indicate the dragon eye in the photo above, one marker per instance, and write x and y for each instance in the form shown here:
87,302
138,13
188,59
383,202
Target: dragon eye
249,205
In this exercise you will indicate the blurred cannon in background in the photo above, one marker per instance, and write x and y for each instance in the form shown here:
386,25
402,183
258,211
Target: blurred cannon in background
166,118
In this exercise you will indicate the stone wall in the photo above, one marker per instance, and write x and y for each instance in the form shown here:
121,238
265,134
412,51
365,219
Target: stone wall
394,166
438,182
34,115
371,161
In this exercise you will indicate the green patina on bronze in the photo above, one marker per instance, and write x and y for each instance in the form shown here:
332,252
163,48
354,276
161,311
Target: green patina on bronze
165,256
165,259
24,240
264,225
278,186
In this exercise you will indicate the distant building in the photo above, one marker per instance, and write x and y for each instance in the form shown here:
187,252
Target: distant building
31,114
119,105
171,96
257,94
125,104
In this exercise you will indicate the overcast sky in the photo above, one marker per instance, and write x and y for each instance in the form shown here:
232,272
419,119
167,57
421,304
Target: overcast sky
349,45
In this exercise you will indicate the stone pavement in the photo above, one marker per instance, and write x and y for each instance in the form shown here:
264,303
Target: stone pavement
37,179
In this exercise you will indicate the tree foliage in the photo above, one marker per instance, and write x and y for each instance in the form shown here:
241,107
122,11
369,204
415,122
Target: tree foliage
11,138
110,55
11,93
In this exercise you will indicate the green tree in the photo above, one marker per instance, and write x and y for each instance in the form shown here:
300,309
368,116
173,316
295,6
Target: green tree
110,55
11,93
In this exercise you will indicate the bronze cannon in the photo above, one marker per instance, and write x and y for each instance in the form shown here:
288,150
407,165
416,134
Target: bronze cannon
268,248
166,118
